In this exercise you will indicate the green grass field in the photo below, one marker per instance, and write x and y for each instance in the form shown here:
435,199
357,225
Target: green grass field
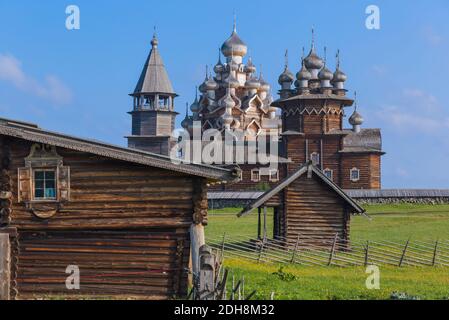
388,222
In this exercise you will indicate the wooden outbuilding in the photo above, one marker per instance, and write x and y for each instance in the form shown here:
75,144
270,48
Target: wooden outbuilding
306,204
121,217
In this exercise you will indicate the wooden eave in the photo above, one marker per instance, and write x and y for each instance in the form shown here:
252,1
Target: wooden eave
36,134
306,168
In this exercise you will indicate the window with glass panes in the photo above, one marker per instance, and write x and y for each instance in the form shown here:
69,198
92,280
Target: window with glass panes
355,174
44,184
329,173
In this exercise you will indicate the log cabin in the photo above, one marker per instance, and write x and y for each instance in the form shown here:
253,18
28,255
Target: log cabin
123,217
306,204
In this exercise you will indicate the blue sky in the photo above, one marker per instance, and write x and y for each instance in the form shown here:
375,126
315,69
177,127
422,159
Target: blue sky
78,81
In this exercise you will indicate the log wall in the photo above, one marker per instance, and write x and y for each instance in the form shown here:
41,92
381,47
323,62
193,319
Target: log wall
313,210
126,226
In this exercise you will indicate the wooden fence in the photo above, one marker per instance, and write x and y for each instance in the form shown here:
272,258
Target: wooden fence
311,251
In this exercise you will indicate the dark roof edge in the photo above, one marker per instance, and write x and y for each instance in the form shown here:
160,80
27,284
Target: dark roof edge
287,181
116,152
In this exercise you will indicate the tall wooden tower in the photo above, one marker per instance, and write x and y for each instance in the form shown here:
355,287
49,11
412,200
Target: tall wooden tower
153,114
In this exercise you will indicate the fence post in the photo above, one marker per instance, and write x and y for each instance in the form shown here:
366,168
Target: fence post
367,253
5,260
294,251
223,246
331,257
261,250
434,260
206,274
403,253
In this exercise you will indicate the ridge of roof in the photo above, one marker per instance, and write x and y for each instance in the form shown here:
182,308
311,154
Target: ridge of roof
288,180
36,134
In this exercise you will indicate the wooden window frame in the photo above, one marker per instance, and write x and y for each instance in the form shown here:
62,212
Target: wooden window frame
253,171
274,171
318,160
33,184
331,173
358,174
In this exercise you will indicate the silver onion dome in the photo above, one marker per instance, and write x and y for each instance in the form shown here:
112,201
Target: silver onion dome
228,102
252,83
218,68
185,122
339,76
203,86
303,74
286,76
313,61
356,119
211,84
195,106
325,74
234,46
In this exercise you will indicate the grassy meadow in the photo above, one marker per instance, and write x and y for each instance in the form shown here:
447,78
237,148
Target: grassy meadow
388,222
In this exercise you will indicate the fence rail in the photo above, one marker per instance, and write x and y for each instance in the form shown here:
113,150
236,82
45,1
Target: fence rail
312,251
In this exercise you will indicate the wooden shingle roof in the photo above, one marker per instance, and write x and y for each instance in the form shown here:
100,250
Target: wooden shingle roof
154,77
308,169
32,132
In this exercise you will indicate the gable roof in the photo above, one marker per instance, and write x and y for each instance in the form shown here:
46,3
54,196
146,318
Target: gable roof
154,77
308,168
32,132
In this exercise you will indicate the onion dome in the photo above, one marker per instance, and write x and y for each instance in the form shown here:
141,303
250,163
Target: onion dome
339,76
286,76
232,82
185,122
195,106
252,83
218,68
203,86
234,46
250,67
211,84
303,74
264,86
227,102
313,61
325,74
356,118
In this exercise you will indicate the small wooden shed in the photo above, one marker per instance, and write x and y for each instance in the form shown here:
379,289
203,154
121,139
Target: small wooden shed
121,216
306,204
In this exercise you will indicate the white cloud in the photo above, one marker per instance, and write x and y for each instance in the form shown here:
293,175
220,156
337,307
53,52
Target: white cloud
417,111
50,88
404,120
